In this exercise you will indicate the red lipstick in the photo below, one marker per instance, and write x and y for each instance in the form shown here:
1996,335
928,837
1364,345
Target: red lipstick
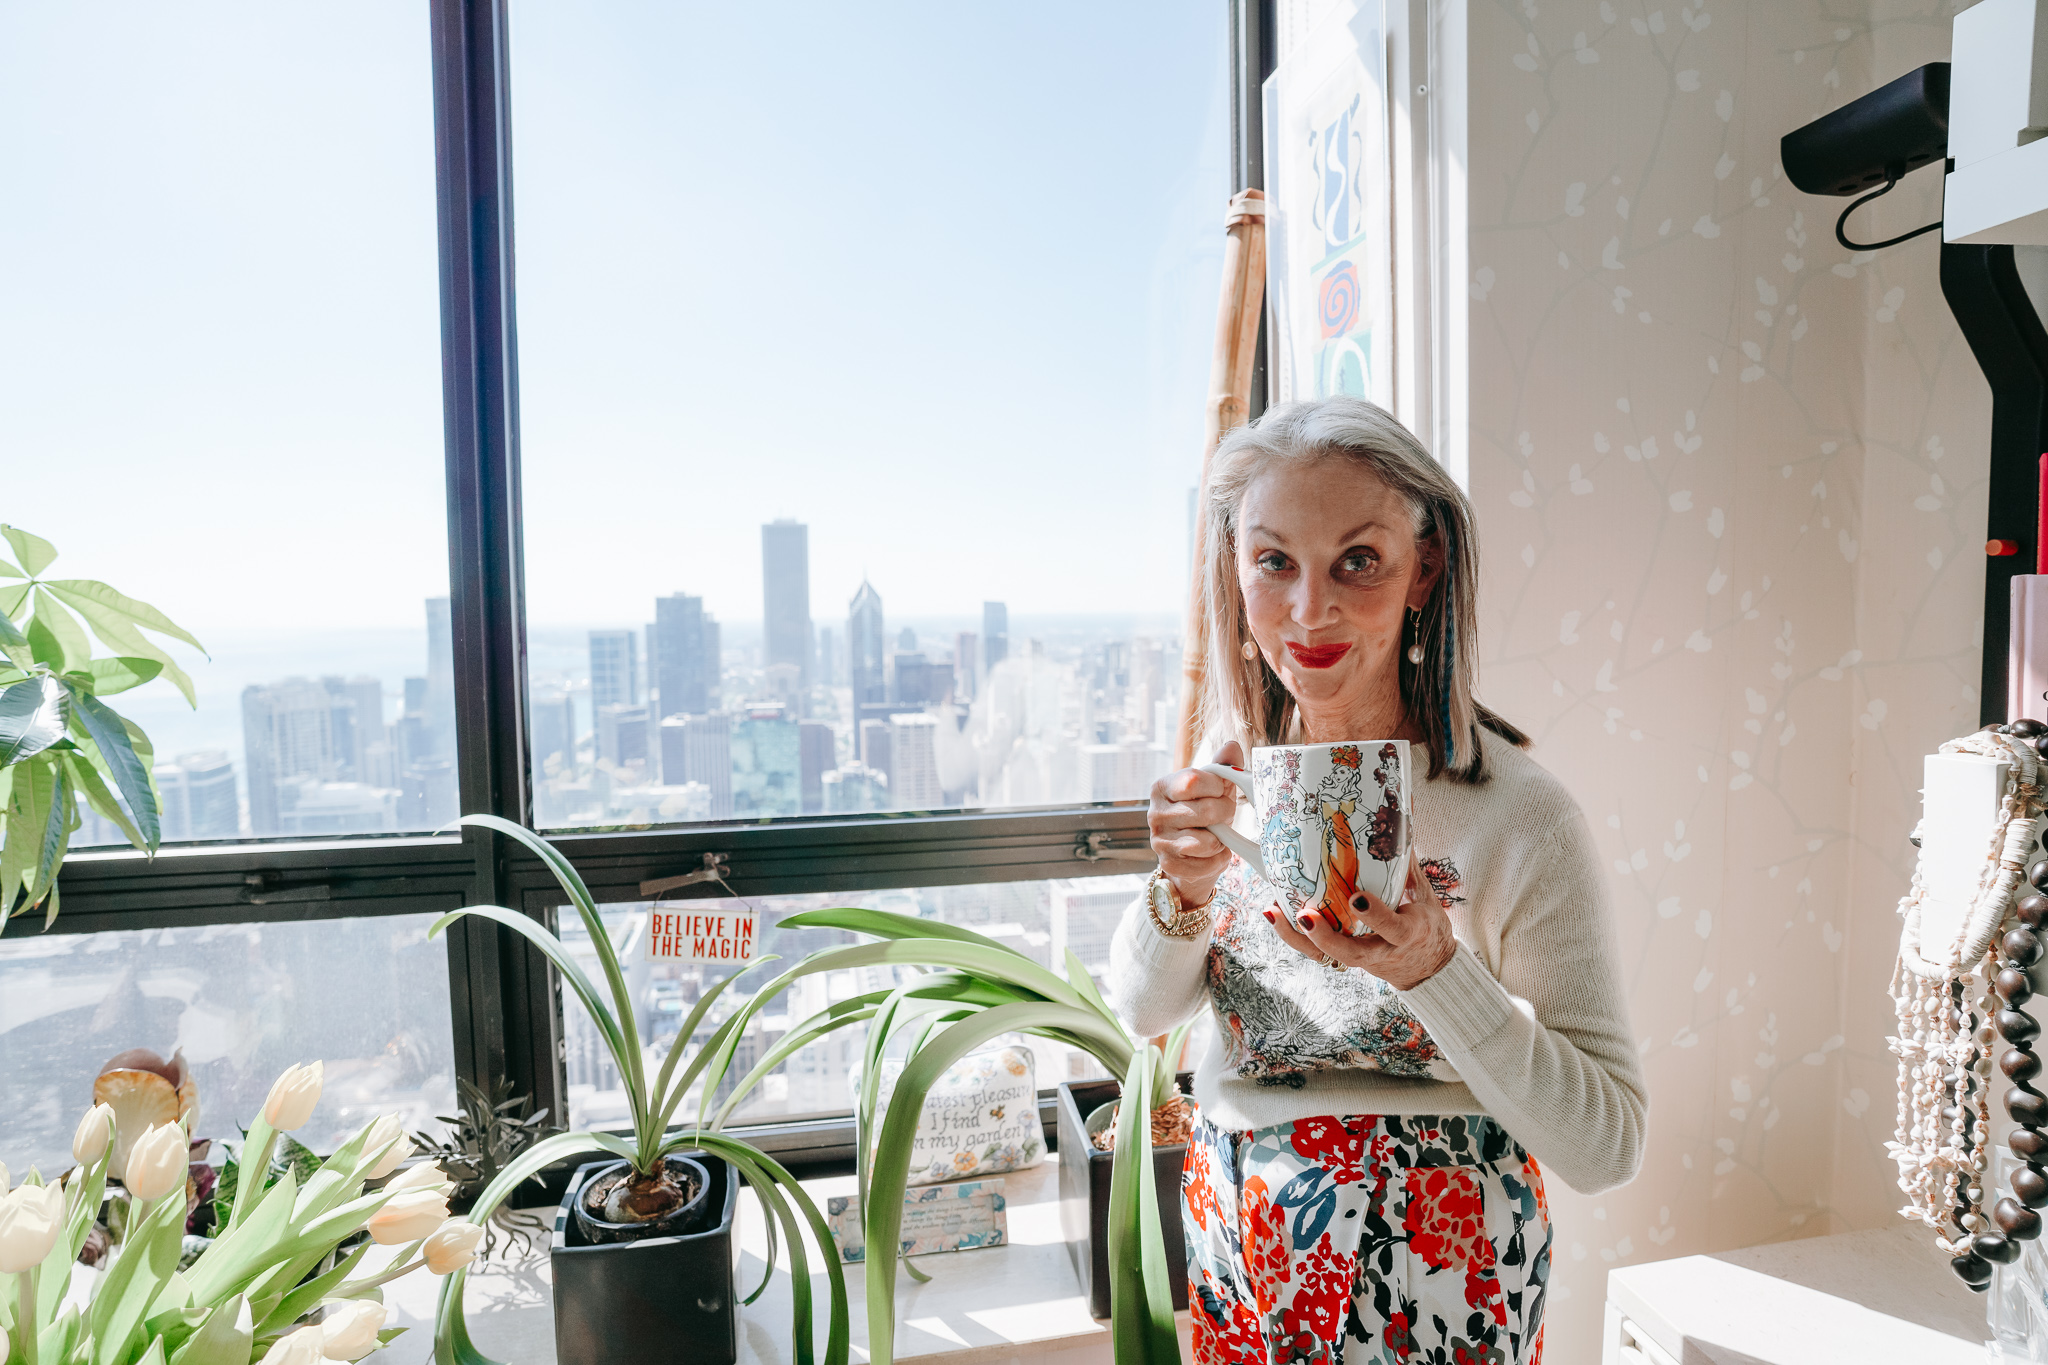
1317,656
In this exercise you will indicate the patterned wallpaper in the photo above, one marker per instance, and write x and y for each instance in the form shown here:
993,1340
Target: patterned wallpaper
1730,480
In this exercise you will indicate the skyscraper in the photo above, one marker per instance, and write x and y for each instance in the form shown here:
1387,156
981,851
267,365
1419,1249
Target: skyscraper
786,595
995,633
614,660
914,763
199,797
817,754
966,665
684,655
868,665
699,749
828,658
766,765
440,703
287,734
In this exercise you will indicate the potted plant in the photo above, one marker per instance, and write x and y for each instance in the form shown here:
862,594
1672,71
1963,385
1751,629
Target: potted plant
1088,1112
974,989
643,1253
58,740
267,1287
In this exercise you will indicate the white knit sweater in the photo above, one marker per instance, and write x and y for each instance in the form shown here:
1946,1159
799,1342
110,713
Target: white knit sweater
1528,1023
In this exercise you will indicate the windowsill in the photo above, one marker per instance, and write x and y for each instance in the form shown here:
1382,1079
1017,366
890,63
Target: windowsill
996,1303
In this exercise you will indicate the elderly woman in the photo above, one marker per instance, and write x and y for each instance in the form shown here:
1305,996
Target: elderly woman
1364,1172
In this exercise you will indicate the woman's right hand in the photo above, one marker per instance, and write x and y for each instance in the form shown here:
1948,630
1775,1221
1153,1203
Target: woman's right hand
1184,805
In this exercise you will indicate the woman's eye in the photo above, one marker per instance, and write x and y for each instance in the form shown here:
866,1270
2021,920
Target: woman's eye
1272,562
1360,561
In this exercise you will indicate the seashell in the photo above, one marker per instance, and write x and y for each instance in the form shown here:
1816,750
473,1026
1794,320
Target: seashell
144,1090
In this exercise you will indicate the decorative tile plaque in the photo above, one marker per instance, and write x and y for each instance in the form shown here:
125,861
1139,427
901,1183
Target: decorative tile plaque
935,1218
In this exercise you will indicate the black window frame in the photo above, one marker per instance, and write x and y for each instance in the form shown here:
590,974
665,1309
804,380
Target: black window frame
505,1000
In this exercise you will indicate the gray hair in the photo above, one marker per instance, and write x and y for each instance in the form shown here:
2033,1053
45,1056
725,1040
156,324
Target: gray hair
1245,698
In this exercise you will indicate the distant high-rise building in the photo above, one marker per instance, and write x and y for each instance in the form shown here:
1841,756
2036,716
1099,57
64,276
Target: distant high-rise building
699,749
874,745
766,764
1148,678
867,668
917,681
914,763
684,655
854,788
828,658
786,596
439,710
287,736
554,729
906,640
1121,772
966,665
817,754
614,669
995,633
622,734
199,799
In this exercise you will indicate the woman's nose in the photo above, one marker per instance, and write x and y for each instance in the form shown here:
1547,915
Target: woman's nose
1312,604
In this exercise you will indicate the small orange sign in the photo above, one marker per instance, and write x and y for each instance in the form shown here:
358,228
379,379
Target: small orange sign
701,936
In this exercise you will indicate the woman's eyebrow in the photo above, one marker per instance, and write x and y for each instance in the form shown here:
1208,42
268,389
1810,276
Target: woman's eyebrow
1353,534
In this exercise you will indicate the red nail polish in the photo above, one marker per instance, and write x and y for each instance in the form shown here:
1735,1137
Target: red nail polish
1269,917
1308,922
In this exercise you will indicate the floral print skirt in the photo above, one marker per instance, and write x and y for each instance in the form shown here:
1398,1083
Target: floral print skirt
1365,1241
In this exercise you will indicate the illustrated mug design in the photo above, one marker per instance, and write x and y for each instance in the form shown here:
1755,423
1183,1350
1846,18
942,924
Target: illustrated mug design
1333,820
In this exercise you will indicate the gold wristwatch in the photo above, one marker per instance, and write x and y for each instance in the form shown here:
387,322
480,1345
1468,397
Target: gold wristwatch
1169,916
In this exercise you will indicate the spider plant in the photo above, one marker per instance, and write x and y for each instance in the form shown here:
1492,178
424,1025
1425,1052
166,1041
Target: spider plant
653,1106
971,990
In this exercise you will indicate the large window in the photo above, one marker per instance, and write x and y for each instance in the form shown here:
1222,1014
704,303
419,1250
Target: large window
863,359
815,512
220,390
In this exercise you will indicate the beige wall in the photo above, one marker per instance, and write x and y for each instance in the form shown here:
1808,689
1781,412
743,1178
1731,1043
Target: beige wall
1730,482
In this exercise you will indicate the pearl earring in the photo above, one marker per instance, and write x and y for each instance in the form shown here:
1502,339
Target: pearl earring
1250,651
1415,635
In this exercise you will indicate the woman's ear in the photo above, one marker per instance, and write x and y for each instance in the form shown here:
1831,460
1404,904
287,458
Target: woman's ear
1429,567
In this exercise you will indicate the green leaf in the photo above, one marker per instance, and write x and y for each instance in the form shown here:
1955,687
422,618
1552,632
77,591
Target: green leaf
101,799
222,1339
111,676
245,1250
899,1130
88,595
9,571
148,1259
75,648
119,634
33,551
15,645
1140,1301
751,1160
118,756
689,1028
33,716
303,1299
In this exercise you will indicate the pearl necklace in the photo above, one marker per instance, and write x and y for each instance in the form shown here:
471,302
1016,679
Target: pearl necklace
1945,1046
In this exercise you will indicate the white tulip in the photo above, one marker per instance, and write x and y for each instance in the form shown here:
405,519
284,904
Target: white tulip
350,1331
411,1217
424,1176
157,1163
387,1130
95,1131
30,1219
292,1097
3,1177
303,1347
454,1246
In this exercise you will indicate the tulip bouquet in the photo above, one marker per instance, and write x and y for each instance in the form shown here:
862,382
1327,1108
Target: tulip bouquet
271,1286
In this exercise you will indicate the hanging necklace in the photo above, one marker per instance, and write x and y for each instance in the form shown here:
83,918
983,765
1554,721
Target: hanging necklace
1949,1018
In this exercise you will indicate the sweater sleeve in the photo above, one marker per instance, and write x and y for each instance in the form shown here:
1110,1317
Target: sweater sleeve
1155,982
1546,1046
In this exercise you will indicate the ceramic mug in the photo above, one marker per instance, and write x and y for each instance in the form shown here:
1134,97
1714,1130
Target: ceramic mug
1333,821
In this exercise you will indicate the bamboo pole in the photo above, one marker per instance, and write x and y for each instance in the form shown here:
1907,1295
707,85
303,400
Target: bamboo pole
1229,405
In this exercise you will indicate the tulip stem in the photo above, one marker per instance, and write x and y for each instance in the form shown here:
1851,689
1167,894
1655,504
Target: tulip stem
253,1173
25,1313
401,1265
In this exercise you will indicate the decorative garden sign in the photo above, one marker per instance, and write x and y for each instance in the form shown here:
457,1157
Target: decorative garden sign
702,935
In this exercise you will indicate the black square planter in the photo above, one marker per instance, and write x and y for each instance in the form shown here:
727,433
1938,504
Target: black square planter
1084,1195
658,1300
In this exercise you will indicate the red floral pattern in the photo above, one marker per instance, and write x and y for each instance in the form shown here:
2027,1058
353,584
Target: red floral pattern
1365,1238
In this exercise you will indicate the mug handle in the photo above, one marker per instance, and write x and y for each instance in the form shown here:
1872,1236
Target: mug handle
1232,840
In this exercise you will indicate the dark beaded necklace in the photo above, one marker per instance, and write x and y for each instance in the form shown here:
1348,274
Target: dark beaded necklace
2018,950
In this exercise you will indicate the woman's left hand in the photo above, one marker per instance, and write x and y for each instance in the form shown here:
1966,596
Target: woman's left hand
1404,945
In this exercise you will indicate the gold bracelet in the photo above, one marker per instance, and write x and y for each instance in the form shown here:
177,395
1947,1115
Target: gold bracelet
1169,916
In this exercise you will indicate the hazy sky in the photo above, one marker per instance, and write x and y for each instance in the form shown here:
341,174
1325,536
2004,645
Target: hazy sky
938,279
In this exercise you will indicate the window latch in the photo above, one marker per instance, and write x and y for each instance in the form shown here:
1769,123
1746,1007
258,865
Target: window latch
1096,847
716,867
